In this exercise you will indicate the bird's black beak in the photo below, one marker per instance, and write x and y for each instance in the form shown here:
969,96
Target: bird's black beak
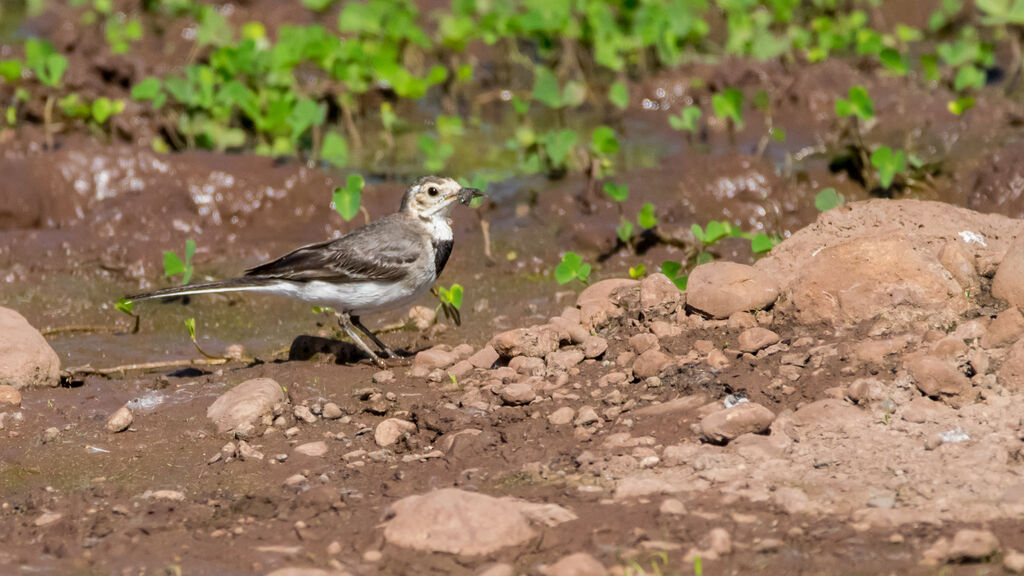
466,195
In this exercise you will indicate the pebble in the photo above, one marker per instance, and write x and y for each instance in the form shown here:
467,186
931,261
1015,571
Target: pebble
973,545
562,416
578,564
332,411
725,425
120,420
48,518
672,507
383,377
754,339
1013,562
587,416
517,394
594,346
484,358
305,414
313,449
9,395
295,480
50,434
390,431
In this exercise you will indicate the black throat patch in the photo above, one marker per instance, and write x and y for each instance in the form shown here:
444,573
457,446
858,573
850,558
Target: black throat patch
442,250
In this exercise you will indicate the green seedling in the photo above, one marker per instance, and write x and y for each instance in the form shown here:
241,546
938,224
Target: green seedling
728,105
334,150
121,33
10,70
969,77
828,199
762,243
961,105
637,271
317,5
688,119
617,192
572,268
894,62
103,108
125,306
451,302
557,145
647,218
888,164
625,230
674,272
547,90
150,89
347,199
618,95
190,325
859,105
173,265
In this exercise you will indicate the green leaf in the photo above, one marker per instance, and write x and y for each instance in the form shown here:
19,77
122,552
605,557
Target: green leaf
624,231
647,218
687,119
715,231
103,108
190,325
889,164
859,104
334,150
317,5
617,192
604,142
53,71
10,70
348,198
558,145
453,295
698,232
762,243
545,87
930,67
124,305
450,126
574,94
618,95
674,272
961,105
969,77
637,271
894,61
172,264
306,114
828,199
571,268
729,105
150,89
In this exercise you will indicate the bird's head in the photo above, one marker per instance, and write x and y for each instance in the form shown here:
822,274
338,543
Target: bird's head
434,197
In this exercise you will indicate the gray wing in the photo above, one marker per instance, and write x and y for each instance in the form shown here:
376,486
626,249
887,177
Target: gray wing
382,250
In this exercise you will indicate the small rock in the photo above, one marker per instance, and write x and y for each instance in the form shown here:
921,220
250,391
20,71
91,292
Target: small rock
247,452
578,564
435,358
1005,329
650,363
563,360
562,416
484,358
48,518
1013,562
973,546
312,449
1008,283
497,570
383,377
527,365
724,425
305,414
422,317
643,342
658,295
26,359
461,369
586,417
535,342
594,346
50,434
517,394
935,376
120,421
721,542
672,507
390,431
754,339
334,548
332,411
295,480
245,404
9,395
169,495
723,288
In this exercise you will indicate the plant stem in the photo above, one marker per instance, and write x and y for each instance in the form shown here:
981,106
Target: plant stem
48,122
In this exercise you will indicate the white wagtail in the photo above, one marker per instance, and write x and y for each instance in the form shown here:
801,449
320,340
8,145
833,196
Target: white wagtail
385,265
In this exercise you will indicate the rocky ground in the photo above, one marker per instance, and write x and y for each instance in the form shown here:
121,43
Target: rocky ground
849,404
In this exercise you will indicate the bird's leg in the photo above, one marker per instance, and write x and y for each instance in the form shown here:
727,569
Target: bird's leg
355,322
345,322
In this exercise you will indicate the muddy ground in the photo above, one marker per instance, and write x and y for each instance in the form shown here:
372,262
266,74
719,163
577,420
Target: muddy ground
846,478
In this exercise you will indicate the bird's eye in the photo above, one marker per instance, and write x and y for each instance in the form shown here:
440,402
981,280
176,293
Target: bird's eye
432,191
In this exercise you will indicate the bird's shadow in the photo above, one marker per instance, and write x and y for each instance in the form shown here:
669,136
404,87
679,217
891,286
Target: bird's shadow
305,348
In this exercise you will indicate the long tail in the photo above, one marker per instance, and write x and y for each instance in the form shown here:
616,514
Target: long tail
232,285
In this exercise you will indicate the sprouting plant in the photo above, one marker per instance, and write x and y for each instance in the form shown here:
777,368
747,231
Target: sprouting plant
637,271
762,243
10,70
317,5
674,272
347,198
547,90
451,302
618,95
557,146
49,68
763,102
190,325
625,230
121,32
617,192
828,199
126,306
334,150
728,105
572,268
888,164
688,119
961,105
698,566
859,104
647,218
173,265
